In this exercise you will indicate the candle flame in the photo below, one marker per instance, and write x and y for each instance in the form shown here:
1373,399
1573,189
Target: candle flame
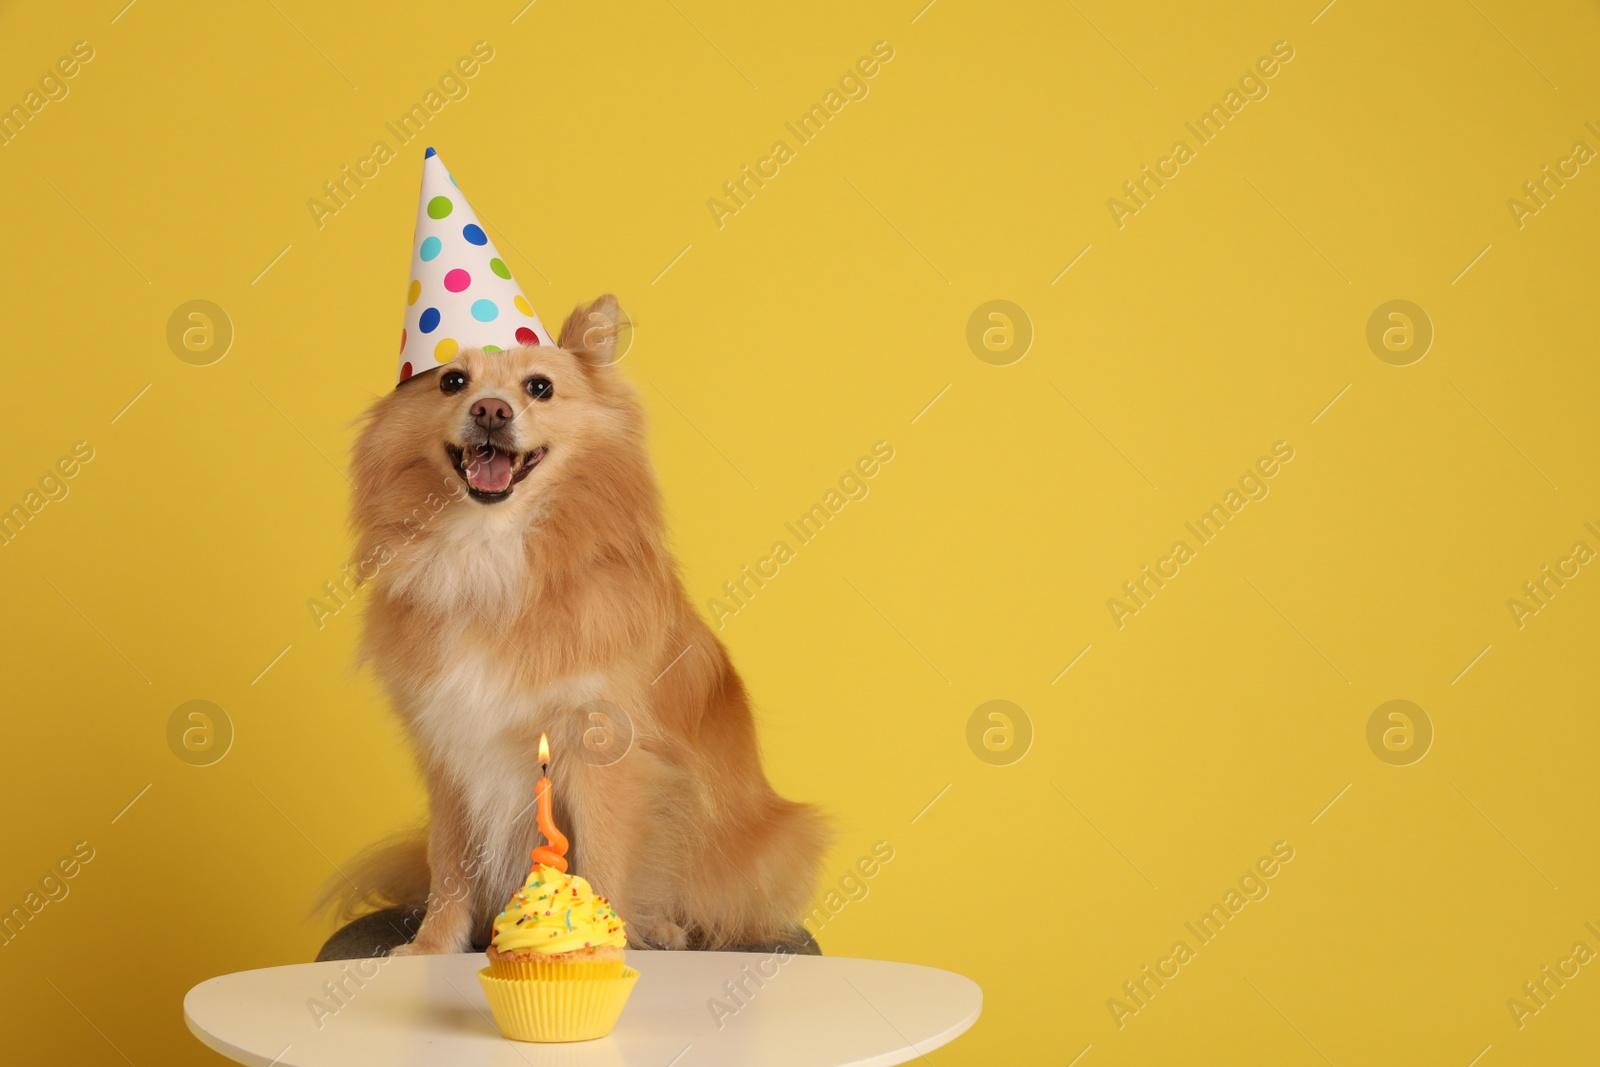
544,748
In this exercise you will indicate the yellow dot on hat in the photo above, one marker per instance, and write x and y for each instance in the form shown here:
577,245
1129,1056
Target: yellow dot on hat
416,291
446,350
523,305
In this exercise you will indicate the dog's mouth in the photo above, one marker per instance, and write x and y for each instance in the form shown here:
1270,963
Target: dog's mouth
491,473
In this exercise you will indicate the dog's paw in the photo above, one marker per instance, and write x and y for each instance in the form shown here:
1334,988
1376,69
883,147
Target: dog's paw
420,948
660,933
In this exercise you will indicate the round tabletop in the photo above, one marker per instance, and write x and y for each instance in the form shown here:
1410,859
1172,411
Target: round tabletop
689,1009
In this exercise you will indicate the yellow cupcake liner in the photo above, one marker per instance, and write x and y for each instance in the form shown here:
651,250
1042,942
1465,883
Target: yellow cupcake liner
554,970
534,1010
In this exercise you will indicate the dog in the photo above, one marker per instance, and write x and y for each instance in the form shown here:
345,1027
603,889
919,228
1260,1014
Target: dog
533,588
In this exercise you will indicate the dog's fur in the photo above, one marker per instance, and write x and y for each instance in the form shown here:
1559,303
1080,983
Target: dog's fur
491,622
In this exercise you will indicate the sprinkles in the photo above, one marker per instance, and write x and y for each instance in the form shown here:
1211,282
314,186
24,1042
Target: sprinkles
573,912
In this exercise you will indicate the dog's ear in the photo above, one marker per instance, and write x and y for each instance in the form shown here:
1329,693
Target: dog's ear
591,331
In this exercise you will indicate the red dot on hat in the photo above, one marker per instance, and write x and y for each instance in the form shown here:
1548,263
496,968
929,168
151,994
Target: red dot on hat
457,280
402,340
526,336
405,371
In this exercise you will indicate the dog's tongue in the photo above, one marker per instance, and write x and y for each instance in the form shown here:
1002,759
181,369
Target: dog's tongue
489,470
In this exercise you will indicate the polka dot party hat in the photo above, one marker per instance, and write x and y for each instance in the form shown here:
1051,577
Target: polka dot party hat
462,294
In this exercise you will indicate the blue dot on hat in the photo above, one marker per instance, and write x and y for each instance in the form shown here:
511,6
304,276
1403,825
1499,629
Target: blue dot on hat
429,321
474,235
485,310
429,154
431,248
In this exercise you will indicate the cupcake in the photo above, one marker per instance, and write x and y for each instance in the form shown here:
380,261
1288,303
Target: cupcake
556,970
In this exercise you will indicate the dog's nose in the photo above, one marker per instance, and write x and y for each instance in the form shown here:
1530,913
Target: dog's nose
491,413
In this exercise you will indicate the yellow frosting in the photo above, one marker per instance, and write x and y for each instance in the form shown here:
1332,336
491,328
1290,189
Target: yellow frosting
555,912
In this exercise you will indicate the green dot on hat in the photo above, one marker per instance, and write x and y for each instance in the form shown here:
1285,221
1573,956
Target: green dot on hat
439,207
500,268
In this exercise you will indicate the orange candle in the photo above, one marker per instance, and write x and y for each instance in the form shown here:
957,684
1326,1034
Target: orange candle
553,853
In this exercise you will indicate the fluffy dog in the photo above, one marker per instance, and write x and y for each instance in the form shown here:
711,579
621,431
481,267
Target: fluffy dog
539,584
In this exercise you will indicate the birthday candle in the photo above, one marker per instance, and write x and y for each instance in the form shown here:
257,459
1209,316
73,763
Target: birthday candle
553,853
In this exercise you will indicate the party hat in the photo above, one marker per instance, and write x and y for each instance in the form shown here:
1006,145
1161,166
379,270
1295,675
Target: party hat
462,294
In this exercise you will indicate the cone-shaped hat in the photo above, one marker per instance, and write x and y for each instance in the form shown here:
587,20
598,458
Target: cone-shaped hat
461,293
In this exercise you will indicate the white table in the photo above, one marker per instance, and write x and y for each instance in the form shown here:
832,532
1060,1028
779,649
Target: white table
429,1011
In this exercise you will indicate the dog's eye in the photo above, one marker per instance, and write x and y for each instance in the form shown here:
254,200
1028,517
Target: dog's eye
452,382
540,388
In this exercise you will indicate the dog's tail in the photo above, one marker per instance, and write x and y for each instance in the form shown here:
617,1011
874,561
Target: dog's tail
755,887
390,874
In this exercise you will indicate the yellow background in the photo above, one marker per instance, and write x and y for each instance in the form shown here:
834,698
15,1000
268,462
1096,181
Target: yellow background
821,318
